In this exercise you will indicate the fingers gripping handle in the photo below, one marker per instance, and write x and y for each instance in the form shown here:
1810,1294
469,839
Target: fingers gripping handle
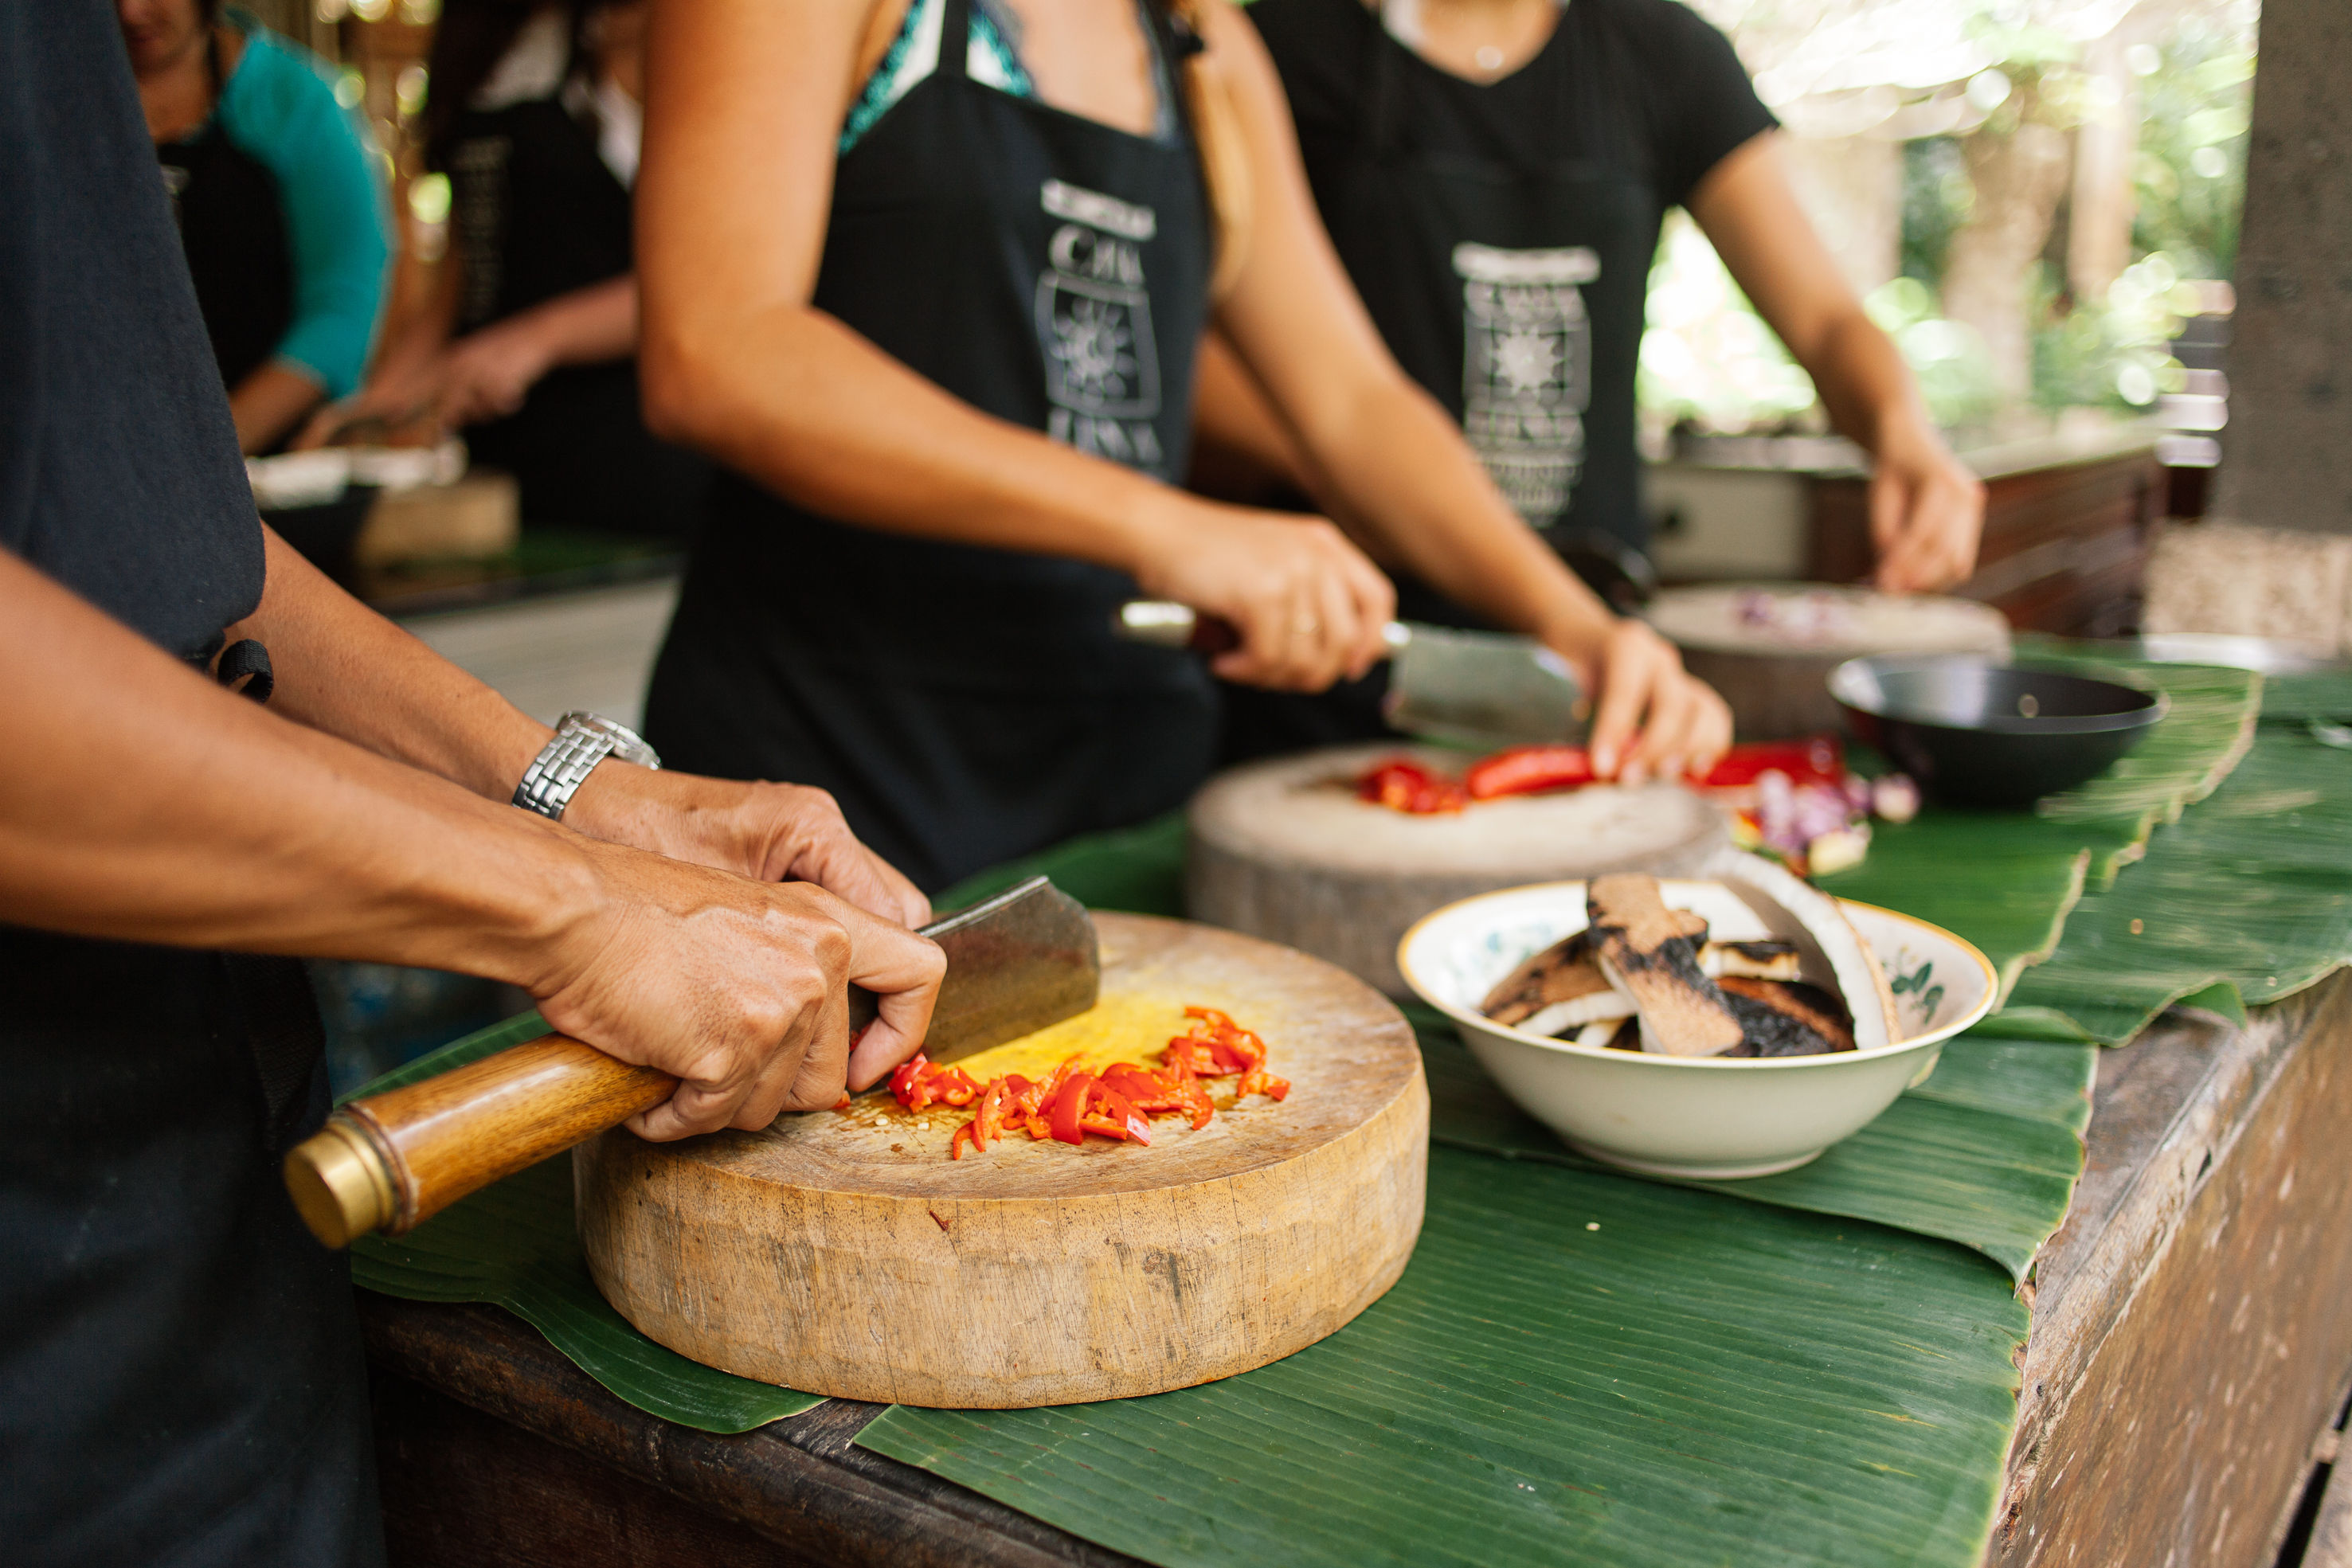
392,1160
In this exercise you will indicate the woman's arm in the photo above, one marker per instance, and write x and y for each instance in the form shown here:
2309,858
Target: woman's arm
1391,458
404,383
338,220
745,105
270,401
1926,509
487,374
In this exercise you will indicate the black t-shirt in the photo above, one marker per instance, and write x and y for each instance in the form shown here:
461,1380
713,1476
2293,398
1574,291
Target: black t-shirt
180,1378
119,467
1689,98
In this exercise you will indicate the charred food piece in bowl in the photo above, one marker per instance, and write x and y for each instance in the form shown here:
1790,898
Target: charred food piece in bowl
1770,959
1651,953
1783,1018
1560,991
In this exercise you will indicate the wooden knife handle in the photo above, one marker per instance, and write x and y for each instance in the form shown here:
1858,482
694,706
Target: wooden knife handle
392,1160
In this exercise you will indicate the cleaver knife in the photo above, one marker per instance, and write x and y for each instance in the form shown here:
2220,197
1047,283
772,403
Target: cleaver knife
1481,689
1017,963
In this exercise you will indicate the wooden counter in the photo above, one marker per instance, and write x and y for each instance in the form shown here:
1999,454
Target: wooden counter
2189,1347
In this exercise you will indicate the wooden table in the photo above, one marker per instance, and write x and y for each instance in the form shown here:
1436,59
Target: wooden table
2189,1349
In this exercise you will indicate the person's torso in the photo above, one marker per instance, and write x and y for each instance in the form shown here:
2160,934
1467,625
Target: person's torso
178,1371
233,228
535,211
1501,235
1047,269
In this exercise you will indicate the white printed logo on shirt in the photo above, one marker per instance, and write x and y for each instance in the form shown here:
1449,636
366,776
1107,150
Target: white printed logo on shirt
1526,370
1094,319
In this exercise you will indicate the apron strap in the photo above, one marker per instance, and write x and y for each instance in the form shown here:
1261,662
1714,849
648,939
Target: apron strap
246,659
955,38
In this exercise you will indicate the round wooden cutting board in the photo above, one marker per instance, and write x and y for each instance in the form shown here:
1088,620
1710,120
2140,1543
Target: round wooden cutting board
1283,849
844,1253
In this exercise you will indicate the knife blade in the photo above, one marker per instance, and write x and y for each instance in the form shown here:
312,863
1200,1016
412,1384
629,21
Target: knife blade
1463,688
1016,962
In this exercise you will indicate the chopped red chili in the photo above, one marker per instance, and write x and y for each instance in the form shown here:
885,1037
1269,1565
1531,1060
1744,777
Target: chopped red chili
1117,1103
1817,759
1528,771
1405,786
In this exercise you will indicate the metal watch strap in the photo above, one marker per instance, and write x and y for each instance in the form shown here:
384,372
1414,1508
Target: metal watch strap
582,740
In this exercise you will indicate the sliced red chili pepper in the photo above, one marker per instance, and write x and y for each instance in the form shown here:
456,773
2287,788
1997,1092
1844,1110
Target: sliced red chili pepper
1405,786
1817,759
1069,1106
1528,771
963,1136
1104,1126
909,1071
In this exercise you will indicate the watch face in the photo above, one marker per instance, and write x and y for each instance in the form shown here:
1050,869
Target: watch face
627,744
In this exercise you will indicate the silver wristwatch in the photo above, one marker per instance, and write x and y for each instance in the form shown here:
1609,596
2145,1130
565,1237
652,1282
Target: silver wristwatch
581,741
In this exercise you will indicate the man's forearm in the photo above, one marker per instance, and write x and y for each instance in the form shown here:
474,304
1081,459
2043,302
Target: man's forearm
148,804
344,669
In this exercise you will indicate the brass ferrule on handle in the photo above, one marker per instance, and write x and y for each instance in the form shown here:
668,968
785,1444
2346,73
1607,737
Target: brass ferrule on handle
394,1160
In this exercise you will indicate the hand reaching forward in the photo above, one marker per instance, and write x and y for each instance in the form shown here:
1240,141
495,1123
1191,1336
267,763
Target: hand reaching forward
740,988
1653,719
1926,513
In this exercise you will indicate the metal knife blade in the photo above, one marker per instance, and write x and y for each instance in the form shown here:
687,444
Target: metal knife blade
1464,689
1016,962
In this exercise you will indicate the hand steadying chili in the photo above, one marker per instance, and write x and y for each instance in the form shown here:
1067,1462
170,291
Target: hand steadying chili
1116,1103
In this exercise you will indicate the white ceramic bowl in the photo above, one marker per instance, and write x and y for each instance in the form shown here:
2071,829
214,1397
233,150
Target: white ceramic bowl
1691,1117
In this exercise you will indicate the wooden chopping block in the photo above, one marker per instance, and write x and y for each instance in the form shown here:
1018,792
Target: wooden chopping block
1284,850
474,518
844,1253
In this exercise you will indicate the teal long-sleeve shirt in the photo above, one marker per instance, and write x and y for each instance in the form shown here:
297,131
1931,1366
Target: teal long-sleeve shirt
278,108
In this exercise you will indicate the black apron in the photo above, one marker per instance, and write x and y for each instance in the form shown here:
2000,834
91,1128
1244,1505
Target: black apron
539,214
968,704
234,231
1513,290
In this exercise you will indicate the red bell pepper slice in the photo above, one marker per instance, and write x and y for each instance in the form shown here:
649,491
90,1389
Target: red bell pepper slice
1528,771
1069,1108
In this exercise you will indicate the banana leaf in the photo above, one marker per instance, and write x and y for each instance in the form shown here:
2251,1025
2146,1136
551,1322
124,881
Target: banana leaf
1576,1367
514,1245
2246,900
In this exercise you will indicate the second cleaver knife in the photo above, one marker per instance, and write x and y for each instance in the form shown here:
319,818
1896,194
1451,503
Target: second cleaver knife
1017,963
1465,688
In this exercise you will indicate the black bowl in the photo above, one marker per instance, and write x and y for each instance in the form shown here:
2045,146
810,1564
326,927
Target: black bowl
1985,734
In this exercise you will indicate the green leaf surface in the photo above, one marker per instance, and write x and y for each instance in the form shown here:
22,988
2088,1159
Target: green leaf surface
1985,1152
2245,899
514,1245
1575,1368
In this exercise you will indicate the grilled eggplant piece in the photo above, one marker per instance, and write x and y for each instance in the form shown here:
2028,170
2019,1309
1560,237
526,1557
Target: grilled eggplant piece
1784,1017
1651,953
1558,990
